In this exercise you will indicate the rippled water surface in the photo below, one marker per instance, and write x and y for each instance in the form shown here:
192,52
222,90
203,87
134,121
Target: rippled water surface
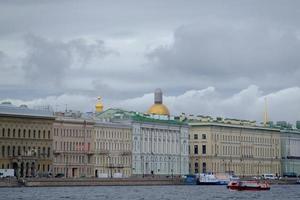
147,193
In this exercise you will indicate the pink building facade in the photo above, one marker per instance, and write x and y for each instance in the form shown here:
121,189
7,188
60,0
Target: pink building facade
73,147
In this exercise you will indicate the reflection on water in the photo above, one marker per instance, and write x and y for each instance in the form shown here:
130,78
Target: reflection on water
147,193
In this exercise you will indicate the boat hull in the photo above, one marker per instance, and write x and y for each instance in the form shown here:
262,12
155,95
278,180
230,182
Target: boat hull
248,185
212,183
241,188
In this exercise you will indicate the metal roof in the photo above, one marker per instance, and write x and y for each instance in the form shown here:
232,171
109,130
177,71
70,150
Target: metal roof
11,110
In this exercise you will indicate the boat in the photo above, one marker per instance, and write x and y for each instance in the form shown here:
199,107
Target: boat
211,179
190,179
248,185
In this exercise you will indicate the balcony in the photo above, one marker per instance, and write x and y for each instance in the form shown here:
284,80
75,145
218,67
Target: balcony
102,152
126,153
115,166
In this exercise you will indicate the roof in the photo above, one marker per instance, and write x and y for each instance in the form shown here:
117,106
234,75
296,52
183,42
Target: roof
123,115
290,131
193,124
9,110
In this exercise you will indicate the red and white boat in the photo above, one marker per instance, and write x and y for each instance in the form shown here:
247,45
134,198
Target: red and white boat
248,185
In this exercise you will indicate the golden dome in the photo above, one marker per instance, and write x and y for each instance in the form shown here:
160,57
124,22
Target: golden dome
158,109
99,105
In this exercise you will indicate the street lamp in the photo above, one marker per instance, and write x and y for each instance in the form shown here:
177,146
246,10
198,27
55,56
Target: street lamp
169,166
258,165
142,165
109,165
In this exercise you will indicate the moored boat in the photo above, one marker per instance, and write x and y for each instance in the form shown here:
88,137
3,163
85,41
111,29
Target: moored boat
248,185
211,179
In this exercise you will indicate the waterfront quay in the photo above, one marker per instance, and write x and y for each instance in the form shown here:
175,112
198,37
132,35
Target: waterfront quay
137,181
66,182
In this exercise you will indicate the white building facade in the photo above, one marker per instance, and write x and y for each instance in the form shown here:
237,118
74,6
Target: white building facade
159,149
159,143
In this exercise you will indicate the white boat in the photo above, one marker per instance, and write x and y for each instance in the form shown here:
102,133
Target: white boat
212,179
215,179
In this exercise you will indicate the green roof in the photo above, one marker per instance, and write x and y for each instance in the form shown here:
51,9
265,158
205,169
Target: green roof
141,118
119,114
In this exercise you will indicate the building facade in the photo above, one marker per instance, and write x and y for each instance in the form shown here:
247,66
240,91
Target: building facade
113,144
26,137
159,143
290,151
73,146
230,148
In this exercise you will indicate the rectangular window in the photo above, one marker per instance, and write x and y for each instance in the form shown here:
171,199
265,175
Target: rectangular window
196,149
204,167
204,136
3,151
204,149
195,136
196,168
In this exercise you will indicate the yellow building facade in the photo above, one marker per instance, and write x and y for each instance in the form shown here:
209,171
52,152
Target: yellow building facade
228,148
26,137
113,149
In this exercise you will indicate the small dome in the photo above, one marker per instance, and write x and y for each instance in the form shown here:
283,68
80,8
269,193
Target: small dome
99,106
158,109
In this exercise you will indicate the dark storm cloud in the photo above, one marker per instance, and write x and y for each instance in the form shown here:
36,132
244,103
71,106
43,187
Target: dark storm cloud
47,62
227,51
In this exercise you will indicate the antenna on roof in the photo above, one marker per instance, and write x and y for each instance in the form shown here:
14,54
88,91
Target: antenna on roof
266,117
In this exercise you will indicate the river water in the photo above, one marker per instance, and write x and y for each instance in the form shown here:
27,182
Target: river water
279,192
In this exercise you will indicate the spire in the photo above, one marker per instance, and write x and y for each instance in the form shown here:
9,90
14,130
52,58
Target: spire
266,117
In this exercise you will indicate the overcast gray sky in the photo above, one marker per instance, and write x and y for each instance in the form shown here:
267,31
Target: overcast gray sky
218,58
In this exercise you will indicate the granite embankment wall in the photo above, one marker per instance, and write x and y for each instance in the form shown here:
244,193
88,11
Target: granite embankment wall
48,182
60,182
13,182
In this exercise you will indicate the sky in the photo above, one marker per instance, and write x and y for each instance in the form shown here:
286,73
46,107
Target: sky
218,58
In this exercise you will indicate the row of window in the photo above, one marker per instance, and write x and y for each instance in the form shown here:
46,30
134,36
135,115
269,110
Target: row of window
72,159
246,150
72,146
158,131
112,134
196,151
114,160
113,146
239,168
196,136
65,132
25,133
252,139
25,151
40,168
